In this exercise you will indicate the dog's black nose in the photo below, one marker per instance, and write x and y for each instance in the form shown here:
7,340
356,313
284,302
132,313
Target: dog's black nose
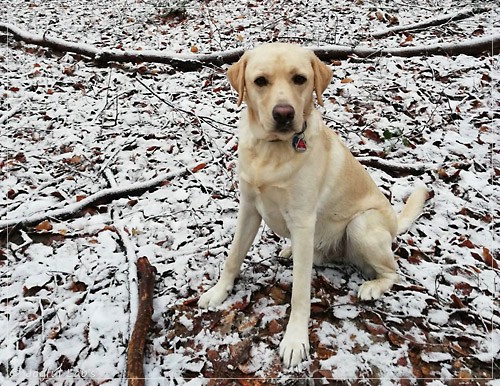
283,114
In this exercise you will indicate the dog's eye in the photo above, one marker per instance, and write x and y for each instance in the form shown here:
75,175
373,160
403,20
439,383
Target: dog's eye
299,79
261,81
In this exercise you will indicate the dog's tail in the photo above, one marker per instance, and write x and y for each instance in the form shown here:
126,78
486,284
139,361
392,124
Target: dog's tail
412,209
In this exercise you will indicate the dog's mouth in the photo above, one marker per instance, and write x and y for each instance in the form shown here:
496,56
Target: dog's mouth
285,127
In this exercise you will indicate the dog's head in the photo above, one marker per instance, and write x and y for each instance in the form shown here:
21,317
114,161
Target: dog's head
277,83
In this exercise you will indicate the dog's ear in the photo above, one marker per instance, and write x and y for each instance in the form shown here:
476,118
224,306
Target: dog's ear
236,76
322,77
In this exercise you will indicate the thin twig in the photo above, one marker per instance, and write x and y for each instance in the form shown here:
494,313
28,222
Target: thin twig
208,120
9,114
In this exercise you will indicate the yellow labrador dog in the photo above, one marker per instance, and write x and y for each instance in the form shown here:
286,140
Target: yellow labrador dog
296,174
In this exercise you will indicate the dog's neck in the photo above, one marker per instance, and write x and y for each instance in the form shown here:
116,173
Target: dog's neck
298,141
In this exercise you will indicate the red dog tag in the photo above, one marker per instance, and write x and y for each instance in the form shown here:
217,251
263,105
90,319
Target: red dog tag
299,143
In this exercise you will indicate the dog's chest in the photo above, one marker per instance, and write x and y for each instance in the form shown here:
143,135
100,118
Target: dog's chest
270,173
270,203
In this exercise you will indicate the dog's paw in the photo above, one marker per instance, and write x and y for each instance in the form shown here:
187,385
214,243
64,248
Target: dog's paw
286,253
374,289
214,296
294,348
369,291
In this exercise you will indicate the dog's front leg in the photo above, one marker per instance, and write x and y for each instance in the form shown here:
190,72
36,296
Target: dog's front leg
248,224
294,347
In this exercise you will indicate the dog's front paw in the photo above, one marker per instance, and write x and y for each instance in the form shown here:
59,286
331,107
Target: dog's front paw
214,296
294,347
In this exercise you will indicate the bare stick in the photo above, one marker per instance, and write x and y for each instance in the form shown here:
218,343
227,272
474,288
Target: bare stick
137,342
433,22
101,196
192,62
395,168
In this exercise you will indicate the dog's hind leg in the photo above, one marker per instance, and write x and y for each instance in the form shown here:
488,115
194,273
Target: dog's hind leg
369,247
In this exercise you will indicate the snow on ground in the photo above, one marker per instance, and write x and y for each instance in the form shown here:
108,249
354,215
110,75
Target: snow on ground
68,297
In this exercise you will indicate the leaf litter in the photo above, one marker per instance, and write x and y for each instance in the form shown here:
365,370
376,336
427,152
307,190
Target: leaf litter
74,129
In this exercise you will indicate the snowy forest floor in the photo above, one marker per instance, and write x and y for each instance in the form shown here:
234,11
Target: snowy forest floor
70,129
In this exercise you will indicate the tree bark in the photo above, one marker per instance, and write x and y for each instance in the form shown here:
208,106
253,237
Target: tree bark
193,62
137,342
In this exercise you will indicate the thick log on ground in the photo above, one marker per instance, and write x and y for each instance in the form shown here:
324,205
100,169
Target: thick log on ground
137,343
192,62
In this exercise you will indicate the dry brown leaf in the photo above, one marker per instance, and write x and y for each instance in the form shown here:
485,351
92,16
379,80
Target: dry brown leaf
70,70
375,329
373,135
406,41
489,259
248,323
11,194
213,355
274,327
78,286
44,226
486,77
396,339
467,243
278,295
199,167
54,333
240,352
324,352
456,302
226,323
241,305
464,288
75,160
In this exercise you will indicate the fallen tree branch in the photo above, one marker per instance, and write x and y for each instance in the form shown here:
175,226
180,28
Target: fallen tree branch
102,196
137,342
487,44
186,62
192,62
395,169
432,22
